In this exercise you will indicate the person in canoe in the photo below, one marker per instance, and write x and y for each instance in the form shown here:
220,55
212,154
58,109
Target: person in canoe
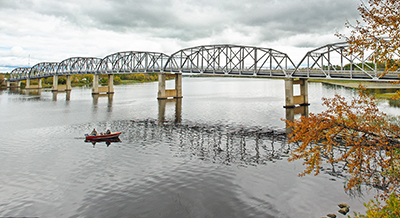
108,132
94,132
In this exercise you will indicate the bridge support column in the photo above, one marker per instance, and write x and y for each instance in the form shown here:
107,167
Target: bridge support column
290,100
28,83
39,83
110,84
30,86
161,86
95,90
304,92
68,86
55,84
178,85
13,85
163,93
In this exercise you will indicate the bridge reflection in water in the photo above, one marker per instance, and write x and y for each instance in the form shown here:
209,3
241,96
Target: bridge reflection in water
162,109
250,145
110,98
292,113
218,143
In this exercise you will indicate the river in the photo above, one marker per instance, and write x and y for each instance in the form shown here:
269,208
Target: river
219,152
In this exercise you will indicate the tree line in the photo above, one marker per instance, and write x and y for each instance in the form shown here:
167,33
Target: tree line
87,79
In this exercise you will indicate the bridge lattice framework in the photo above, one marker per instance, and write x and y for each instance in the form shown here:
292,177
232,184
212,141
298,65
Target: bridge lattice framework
327,62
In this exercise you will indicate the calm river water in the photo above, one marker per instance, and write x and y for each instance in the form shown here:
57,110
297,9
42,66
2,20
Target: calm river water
219,152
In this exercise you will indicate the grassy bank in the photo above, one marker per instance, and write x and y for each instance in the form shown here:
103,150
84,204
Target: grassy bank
381,90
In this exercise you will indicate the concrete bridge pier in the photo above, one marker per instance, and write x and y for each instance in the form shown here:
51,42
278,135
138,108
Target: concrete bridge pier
164,93
108,90
95,89
55,84
40,83
290,99
56,87
28,84
110,84
68,83
13,85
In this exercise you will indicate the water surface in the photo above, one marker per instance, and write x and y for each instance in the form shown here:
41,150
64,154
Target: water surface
220,152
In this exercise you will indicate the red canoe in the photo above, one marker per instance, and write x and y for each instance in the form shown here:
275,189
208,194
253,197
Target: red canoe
105,136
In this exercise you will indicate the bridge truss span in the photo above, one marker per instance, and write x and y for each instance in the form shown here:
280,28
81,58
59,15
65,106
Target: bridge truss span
78,65
327,62
132,62
19,73
333,62
231,60
43,69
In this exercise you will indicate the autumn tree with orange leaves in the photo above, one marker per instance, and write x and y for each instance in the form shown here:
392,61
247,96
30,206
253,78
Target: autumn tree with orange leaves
355,132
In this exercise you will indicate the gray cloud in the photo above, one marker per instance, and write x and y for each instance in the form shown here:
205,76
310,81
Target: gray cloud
94,27
193,19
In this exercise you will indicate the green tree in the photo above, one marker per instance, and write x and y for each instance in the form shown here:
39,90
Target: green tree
1,78
391,208
104,80
117,80
62,80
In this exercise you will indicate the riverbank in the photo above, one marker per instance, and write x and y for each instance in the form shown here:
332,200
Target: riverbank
381,90
367,85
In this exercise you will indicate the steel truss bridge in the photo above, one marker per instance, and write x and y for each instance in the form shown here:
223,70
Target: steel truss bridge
326,62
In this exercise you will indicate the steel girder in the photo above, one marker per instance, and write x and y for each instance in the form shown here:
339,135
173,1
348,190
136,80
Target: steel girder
78,65
231,60
132,62
332,62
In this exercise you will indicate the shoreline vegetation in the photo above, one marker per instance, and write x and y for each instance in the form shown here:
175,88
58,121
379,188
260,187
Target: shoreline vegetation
87,80
381,90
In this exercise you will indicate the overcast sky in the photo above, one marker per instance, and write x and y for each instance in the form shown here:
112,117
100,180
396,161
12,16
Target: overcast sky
33,31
